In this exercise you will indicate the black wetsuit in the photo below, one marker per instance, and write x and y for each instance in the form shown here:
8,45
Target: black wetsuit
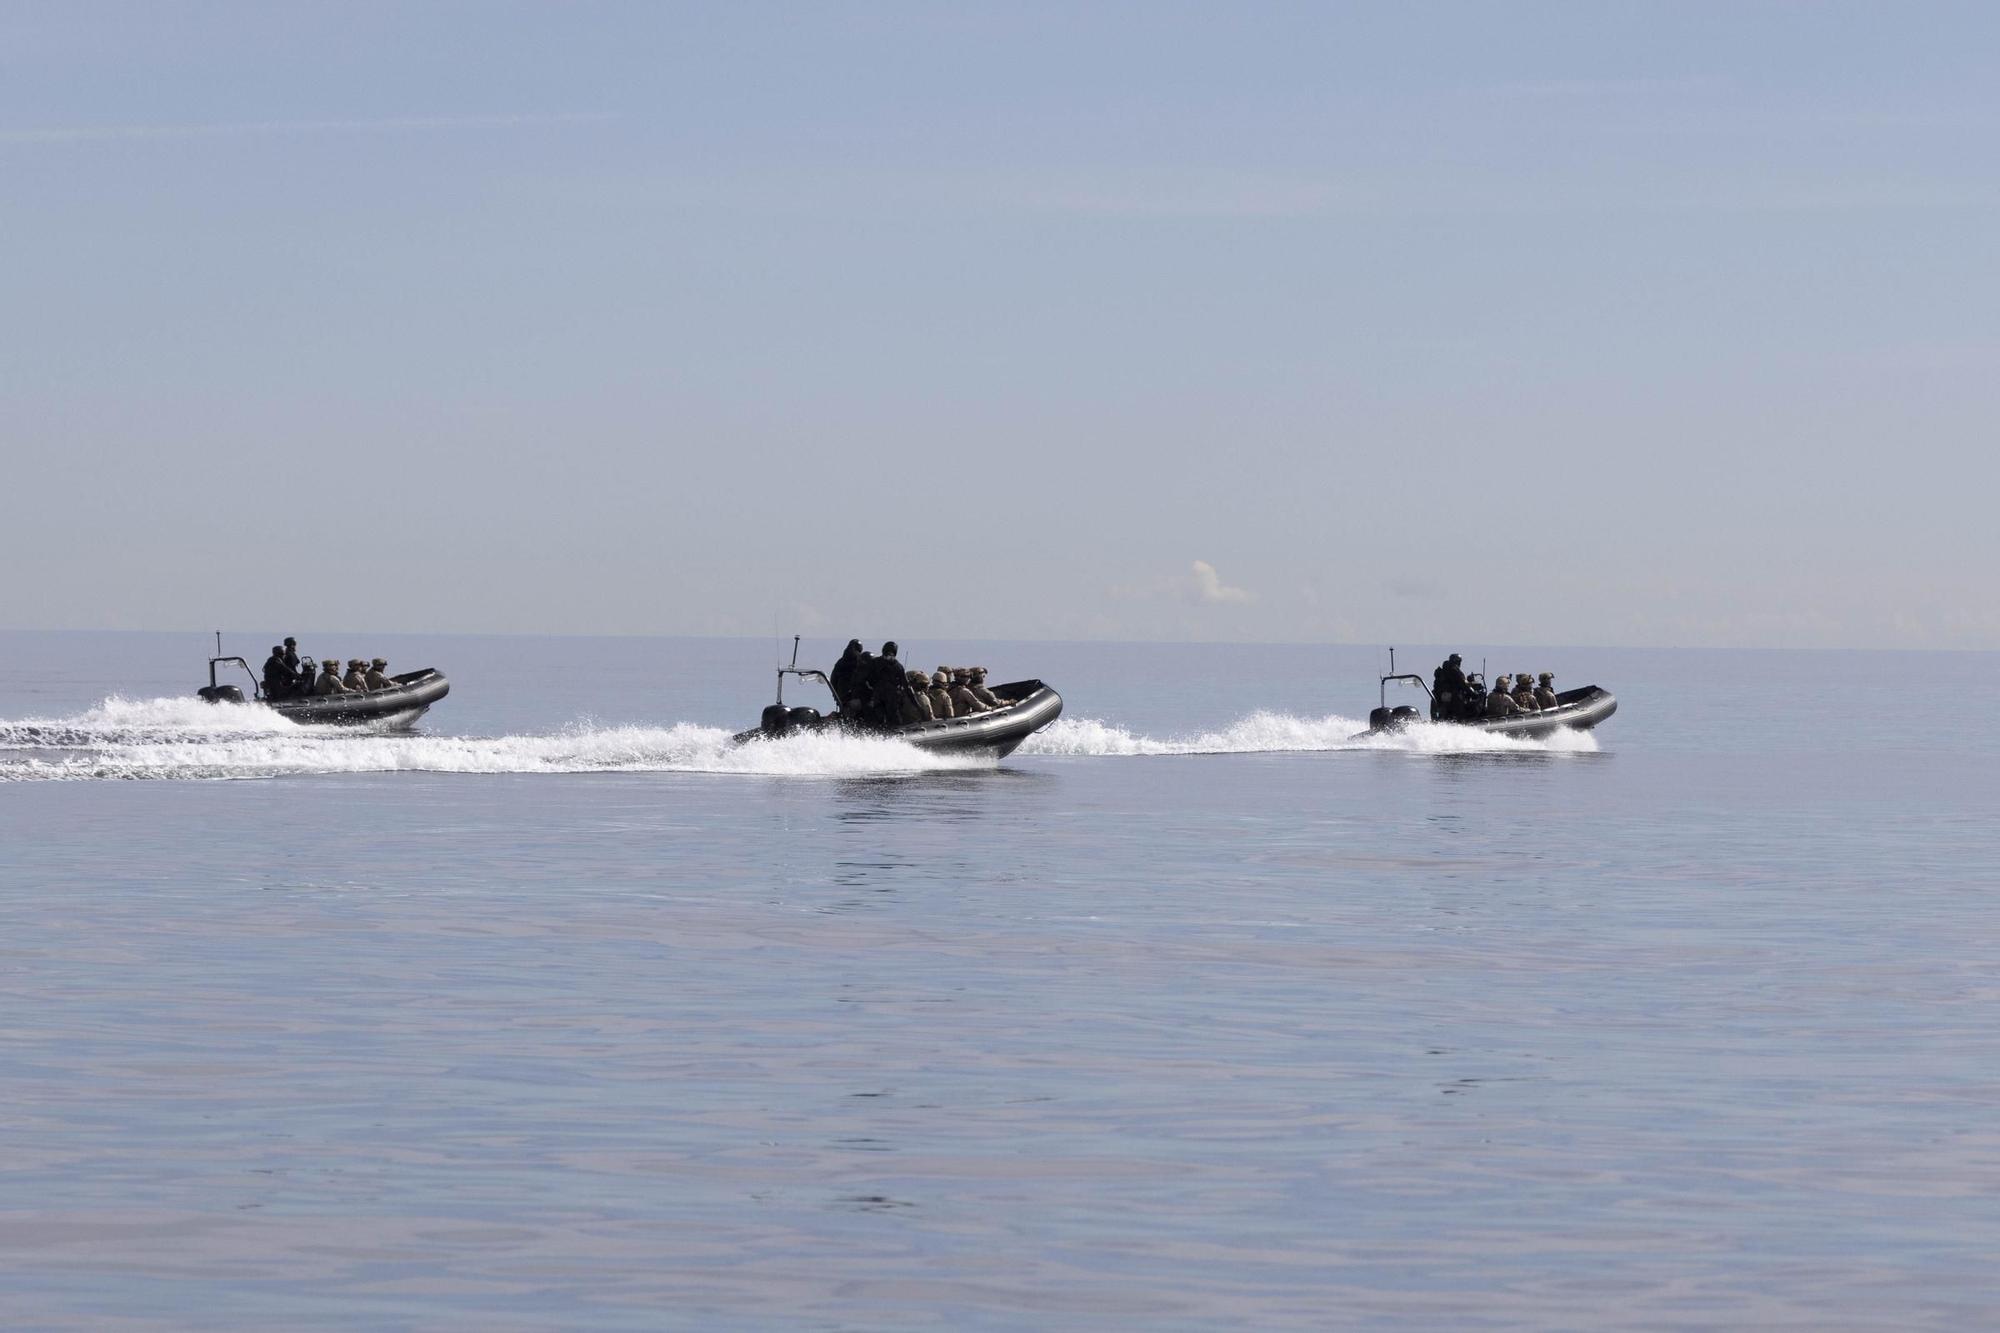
280,681
891,701
1447,691
847,676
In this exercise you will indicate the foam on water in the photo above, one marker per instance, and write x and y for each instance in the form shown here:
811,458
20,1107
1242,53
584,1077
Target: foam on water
189,739
1267,733
173,738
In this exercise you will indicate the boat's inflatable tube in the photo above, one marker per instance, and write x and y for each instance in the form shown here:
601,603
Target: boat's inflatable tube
1031,706
1577,710
415,691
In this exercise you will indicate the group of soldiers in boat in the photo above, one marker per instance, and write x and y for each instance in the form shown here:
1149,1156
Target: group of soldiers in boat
1458,697
286,678
879,691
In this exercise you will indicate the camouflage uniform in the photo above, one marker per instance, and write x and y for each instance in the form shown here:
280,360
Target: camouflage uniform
354,680
979,691
919,687
329,679
963,700
1524,693
378,675
940,697
1500,703
1545,693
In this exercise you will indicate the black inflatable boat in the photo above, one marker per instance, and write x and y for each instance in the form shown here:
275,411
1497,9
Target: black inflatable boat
399,706
1575,710
1029,706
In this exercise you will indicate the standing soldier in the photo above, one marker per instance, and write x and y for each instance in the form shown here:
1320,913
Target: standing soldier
279,682
1447,689
848,673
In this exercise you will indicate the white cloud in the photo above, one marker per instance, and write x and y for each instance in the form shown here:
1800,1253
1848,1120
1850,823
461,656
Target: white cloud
1203,584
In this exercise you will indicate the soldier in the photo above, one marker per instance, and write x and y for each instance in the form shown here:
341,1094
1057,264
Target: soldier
355,680
890,699
979,691
292,660
940,696
963,701
329,679
279,682
847,676
1524,693
1447,689
378,675
1500,701
1545,693
919,687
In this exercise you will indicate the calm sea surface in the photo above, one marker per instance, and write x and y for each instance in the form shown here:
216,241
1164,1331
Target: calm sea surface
562,1013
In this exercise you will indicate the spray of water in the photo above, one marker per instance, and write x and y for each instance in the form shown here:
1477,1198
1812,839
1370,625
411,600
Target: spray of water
172,738
188,739
1268,733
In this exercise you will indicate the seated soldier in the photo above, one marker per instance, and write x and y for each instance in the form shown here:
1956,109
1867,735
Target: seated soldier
940,696
1500,702
355,680
1524,693
329,679
920,687
964,702
1545,693
977,685
378,677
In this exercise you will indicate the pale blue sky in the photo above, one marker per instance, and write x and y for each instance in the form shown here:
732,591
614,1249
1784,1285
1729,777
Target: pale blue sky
1592,323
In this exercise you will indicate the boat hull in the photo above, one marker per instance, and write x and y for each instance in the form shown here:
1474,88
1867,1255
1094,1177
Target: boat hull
1031,706
1575,710
414,693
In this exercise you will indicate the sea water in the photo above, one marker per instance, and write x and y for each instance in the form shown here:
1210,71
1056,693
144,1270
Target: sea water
564,1012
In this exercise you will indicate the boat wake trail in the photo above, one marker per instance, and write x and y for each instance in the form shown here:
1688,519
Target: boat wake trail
1277,733
181,739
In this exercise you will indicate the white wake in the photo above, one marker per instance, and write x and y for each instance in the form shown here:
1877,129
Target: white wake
1273,733
189,739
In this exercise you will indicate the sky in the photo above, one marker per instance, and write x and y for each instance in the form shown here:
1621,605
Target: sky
1634,324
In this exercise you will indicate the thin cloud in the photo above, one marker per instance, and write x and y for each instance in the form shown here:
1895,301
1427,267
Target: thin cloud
271,128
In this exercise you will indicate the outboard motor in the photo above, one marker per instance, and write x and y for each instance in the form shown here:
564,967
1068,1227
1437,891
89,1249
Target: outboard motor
220,694
805,717
776,720
1391,719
